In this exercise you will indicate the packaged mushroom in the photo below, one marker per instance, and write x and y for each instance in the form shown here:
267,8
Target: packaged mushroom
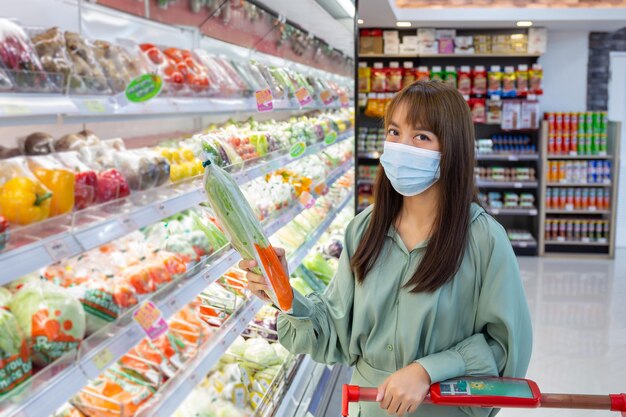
91,78
117,64
50,46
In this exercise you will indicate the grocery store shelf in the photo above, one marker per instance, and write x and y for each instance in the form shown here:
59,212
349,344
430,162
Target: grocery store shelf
524,245
576,243
557,156
49,388
506,157
506,184
567,184
179,387
369,155
416,55
176,390
18,109
134,212
512,211
583,212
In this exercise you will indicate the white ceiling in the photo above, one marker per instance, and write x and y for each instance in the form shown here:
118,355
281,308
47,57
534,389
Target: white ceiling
383,13
314,18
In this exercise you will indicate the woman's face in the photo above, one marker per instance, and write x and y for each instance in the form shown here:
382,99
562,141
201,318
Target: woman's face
398,131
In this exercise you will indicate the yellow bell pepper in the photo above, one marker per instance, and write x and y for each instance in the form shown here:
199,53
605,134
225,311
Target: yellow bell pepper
61,182
24,201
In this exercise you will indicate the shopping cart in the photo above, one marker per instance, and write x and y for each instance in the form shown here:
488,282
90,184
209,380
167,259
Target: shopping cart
491,392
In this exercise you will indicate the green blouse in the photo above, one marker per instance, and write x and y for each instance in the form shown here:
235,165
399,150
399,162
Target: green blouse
476,324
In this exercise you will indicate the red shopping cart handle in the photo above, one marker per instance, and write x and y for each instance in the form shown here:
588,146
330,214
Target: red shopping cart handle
494,392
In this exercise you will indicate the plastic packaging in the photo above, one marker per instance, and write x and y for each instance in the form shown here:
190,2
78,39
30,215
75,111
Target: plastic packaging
449,76
195,74
522,80
85,179
282,78
91,77
58,179
278,92
15,364
251,75
117,64
50,46
494,111
408,75
535,77
423,73
465,80
394,76
494,81
52,320
165,67
365,74
379,78
237,219
508,82
18,57
436,73
23,198
38,143
479,80
479,113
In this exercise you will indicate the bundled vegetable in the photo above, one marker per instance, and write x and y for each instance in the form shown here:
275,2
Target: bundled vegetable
237,219
15,366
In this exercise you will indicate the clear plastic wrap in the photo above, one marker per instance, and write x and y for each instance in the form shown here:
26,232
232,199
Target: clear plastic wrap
58,179
251,75
112,184
237,219
23,198
278,92
15,364
20,60
223,75
117,64
50,46
284,81
195,74
143,169
88,75
85,179
52,320
165,67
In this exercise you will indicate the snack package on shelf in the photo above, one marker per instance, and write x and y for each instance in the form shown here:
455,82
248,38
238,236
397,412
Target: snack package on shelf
379,78
246,235
511,115
394,76
479,80
522,80
423,73
465,80
58,179
88,77
479,111
409,74
450,76
535,76
20,68
365,82
494,86
494,112
508,82
52,320
436,73
23,198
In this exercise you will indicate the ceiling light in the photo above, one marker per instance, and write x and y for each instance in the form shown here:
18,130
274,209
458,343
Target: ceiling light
524,23
403,24
347,6
360,21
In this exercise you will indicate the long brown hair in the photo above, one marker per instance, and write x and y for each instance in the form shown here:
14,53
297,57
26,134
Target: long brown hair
439,108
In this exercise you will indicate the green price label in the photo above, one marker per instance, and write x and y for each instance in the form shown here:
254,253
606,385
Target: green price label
297,149
330,138
144,88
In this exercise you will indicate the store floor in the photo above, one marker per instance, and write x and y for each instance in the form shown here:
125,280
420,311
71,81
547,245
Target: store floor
578,308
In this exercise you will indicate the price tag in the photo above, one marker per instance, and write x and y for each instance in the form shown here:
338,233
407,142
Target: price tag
585,240
102,359
522,244
533,212
518,185
58,250
128,224
326,97
162,210
494,98
569,207
561,239
15,110
607,181
531,97
264,100
602,240
297,149
303,96
330,138
593,208
573,153
495,212
150,319
602,153
144,88
344,100
307,200
95,106
513,158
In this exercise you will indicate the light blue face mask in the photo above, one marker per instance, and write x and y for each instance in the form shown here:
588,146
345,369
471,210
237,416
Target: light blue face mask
410,170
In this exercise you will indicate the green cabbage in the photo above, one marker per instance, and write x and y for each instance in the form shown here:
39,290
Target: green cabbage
52,320
318,265
5,297
259,356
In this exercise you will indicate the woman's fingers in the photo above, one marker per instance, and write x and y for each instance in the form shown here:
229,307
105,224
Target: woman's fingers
247,264
395,404
404,408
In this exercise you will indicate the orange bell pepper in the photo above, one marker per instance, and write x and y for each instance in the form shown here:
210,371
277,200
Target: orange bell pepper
61,182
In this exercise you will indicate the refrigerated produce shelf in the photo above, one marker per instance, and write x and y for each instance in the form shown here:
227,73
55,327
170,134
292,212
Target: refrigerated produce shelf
180,386
55,384
124,216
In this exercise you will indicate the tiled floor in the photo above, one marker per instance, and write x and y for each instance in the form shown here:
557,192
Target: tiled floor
579,316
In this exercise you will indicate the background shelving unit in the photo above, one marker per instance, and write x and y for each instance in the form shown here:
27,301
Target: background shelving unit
564,246
511,219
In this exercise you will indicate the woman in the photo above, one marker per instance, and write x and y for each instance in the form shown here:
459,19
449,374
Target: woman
428,287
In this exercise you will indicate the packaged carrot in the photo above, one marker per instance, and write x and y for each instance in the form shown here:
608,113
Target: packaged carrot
238,221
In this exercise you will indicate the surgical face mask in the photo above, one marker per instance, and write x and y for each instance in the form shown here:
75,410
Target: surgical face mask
410,170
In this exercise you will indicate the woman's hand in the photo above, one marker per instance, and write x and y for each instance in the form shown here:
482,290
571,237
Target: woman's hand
256,282
404,390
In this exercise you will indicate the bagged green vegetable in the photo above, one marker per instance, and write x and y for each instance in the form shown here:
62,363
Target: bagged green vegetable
52,320
237,219
15,365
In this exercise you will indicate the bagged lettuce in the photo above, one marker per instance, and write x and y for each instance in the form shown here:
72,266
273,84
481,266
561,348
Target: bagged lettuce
52,320
15,365
234,214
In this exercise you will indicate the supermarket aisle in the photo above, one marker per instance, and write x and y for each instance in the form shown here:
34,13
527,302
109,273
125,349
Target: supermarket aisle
578,312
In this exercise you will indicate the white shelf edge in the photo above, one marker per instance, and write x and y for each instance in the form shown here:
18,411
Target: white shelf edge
23,260
197,369
566,184
118,342
506,184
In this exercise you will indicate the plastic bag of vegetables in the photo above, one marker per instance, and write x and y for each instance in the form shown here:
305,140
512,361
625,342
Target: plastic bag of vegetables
238,221
15,365
52,320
